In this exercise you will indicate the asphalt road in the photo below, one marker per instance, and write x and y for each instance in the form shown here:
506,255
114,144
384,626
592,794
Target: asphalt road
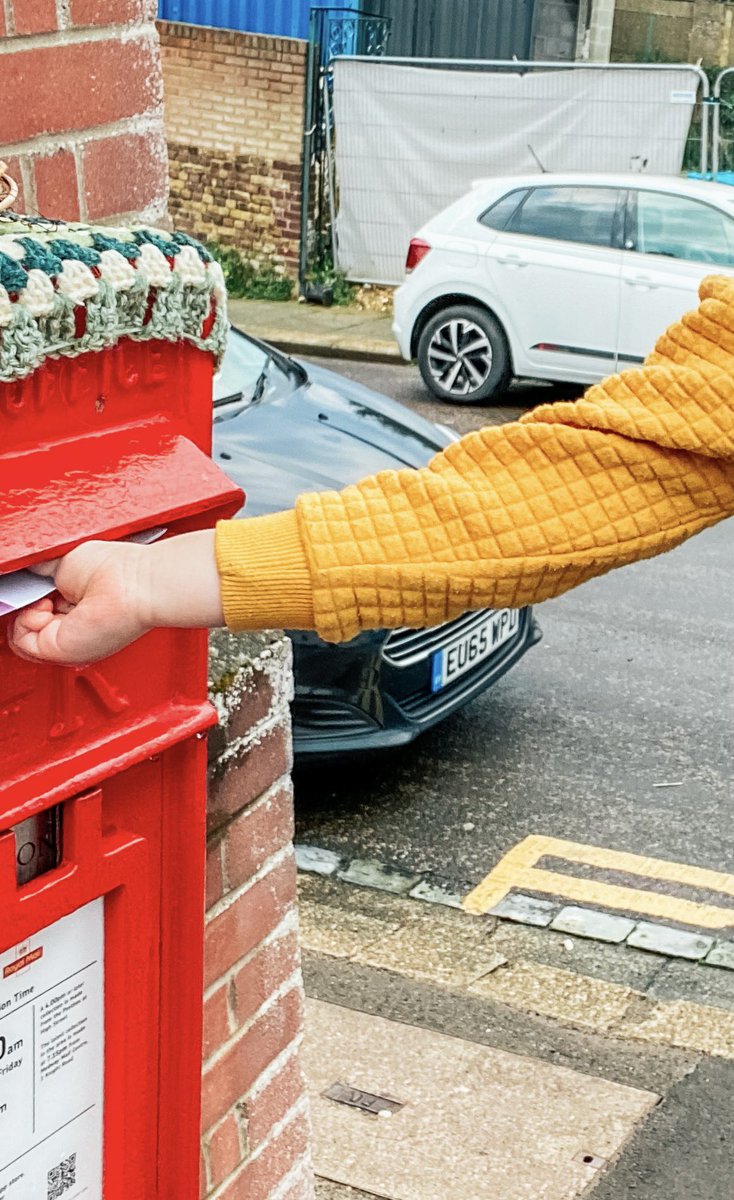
630,688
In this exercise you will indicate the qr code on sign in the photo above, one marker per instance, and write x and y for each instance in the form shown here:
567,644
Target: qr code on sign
61,1178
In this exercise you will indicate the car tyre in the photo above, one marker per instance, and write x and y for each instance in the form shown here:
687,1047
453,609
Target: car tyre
463,355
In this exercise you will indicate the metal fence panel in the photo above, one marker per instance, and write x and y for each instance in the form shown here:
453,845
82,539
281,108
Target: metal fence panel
722,151
411,138
459,28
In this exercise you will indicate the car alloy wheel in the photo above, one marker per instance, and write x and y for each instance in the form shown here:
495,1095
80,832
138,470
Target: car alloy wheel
460,357
463,355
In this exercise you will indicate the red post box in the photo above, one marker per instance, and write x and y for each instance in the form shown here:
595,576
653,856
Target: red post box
106,367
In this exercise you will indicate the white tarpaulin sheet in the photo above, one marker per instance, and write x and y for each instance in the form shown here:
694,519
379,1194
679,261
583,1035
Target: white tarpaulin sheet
410,140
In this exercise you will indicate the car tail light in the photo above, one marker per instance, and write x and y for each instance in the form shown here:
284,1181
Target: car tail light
417,251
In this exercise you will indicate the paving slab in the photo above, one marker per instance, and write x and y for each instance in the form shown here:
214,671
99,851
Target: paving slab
367,872
436,893
341,921
684,1025
600,926
448,951
574,999
317,860
468,1109
722,955
527,910
675,943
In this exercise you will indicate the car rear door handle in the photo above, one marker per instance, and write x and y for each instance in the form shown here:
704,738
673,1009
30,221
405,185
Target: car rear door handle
641,281
512,260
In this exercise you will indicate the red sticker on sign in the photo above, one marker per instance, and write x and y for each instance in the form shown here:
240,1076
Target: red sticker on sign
26,960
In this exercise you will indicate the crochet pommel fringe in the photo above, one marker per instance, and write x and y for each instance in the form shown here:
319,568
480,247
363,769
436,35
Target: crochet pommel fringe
68,289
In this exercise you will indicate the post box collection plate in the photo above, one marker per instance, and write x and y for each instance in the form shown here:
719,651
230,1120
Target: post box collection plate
51,1061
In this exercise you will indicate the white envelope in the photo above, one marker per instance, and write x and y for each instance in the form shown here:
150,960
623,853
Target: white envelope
21,588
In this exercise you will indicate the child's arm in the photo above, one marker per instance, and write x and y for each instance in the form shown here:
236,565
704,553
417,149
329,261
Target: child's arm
506,517
112,592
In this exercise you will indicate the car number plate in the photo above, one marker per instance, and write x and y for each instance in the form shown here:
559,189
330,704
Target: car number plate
473,647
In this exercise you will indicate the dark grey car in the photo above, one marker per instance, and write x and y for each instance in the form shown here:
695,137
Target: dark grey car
283,427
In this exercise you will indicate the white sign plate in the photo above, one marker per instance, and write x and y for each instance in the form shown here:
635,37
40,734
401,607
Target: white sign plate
52,1061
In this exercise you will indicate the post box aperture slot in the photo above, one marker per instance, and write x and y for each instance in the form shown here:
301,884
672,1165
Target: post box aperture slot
37,844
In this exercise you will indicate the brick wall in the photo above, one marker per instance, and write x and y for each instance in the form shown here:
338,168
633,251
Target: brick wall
255,1124
81,123
234,124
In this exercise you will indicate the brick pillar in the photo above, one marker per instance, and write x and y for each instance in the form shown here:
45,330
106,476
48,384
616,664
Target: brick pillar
601,25
255,1123
82,123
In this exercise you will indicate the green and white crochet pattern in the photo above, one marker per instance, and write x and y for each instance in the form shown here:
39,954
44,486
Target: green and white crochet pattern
66,289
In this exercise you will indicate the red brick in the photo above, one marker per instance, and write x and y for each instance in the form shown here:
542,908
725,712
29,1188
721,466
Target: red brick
224,1150
234,1073
249,775
110,12
216,1021
13,169
214,872
123,174
35,16
57,189
243,925
264,1110
203,1185
259,1178
256,834
2,21
254,706
262,975
78,86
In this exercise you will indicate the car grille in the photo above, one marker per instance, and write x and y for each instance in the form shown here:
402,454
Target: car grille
314,716
407,646
425,705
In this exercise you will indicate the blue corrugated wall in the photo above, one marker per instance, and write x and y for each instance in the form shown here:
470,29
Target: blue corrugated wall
282,18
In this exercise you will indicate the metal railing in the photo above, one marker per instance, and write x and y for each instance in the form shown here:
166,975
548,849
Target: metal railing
334,32
721,105
344,31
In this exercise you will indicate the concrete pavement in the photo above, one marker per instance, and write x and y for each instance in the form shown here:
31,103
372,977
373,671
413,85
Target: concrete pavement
562,1038
310,329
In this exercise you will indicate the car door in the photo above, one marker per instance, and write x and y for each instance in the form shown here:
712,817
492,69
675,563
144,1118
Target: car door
556,265
671,243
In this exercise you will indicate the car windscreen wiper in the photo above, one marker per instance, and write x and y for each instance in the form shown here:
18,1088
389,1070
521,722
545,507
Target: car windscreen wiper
231,398
259,388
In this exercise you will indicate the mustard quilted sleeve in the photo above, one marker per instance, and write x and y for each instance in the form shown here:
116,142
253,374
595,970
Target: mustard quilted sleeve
511,515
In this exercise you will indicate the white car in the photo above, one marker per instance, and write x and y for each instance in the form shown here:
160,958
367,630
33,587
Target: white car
560,277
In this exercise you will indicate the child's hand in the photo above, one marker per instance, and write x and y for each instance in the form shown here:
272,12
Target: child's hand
112,592
102,605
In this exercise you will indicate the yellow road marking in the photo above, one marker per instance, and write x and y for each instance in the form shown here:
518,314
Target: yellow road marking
518,870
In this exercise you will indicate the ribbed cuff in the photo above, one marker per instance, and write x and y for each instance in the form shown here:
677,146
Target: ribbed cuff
266,583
